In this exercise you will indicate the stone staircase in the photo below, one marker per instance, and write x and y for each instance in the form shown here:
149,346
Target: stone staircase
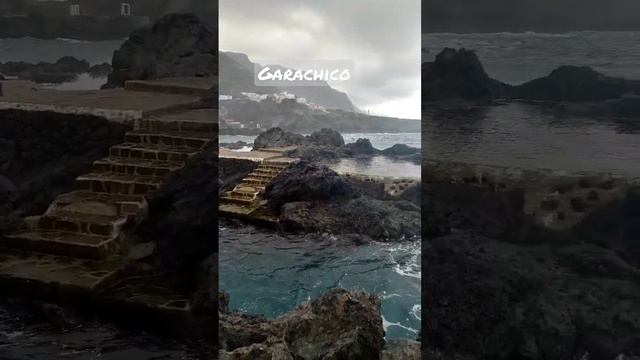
245,199
76,242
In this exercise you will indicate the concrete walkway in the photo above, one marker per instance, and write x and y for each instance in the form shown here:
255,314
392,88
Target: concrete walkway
113,104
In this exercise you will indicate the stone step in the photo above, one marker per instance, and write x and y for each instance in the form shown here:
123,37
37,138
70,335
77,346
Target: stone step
245,190
160,125
255,181
171,138
115,183
92,203
258,176
62,243
283,164
54,278
234,200
264,172
82,223
153,152
271,170
136,166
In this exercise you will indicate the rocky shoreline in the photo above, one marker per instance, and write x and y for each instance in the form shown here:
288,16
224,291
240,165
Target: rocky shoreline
65,69
326,145
502,282
338,325
457,79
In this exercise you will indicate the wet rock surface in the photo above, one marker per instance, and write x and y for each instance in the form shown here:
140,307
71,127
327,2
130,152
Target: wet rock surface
65,69
276,137
338,325
180,216
575,84
401,350
328,144
498,289
232,171
176,45
458,74
42,153
456,79
313,198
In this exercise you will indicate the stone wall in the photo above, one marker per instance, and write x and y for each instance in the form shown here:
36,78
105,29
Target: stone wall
41,154
232,171
557,199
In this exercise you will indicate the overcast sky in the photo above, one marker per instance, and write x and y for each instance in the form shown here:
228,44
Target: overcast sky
381,37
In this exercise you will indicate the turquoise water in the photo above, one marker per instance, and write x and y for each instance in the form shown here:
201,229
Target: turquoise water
267,273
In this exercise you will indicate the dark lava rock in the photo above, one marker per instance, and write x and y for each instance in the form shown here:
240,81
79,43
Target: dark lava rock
338,325
276,137
361,147
381,220
42,153
458,74
493,213
316,199
232,171
325,137
64,69
495,300
176,45
235,146
100,70
401,350
498,289
181,219
574,83
306,182
400,150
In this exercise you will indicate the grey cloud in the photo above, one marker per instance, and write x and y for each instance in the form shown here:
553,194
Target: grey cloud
382,37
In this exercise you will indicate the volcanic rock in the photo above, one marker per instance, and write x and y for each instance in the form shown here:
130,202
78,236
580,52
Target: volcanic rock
177,45
64,69
458,74
338,325
574,84
276,137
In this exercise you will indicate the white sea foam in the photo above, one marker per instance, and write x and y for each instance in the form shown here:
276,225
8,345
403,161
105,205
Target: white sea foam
387,324
416,311
244,149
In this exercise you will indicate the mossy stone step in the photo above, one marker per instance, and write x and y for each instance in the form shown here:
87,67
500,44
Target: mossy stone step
62,243
116,183
237,200
135,166
188,139
83,223
54,278
92,203
153,151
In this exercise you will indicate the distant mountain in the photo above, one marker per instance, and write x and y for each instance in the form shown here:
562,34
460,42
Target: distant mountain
292,116
236,75
467,16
